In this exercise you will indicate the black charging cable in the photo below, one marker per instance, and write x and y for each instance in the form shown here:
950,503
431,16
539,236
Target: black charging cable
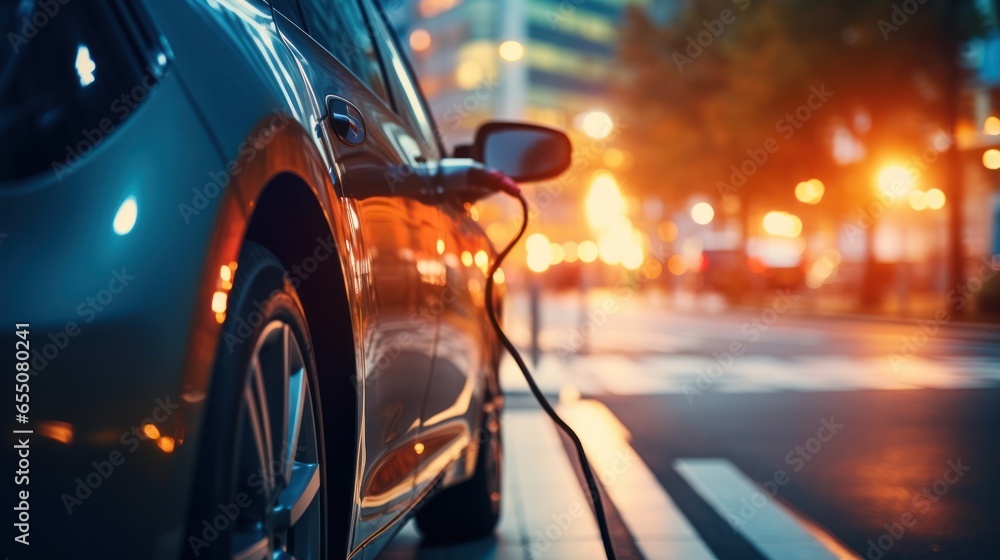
588,473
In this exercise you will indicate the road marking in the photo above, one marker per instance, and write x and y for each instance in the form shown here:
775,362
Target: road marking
659,528
776,531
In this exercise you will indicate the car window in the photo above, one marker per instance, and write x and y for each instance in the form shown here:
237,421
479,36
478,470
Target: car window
62,95
340,27
409,101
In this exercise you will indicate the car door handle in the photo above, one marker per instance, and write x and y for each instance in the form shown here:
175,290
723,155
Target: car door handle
347,121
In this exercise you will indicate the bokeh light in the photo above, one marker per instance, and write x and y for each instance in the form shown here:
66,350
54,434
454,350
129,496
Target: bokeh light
810,192
511,51
824,270
539,252
570,251
587,251
605,206
652,269
667,231
420,40
782,224
596,124
935,199
702,213
469,74
918,200
676,265
992,126
896,179
558,254
991,158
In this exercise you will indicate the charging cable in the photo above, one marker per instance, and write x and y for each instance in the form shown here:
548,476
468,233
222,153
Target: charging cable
507,185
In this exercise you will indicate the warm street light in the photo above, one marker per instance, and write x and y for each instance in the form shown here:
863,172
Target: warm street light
932,199
469,74
896,179
782,224
558,254
935,199
615,243
810,192
596,124
511,51
991,159
539,252
605,206
918,200
570,251
992,126
702,213
587,251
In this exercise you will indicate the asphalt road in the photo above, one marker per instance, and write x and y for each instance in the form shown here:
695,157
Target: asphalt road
912,468
893,460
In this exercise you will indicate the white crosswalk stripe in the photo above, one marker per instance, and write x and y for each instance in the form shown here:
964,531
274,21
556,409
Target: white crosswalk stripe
546,515
660,530
769,526
657,374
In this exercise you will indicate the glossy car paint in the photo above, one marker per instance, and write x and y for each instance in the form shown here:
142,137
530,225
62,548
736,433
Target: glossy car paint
244,97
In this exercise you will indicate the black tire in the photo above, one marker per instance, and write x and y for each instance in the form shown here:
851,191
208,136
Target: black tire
264,381
471,509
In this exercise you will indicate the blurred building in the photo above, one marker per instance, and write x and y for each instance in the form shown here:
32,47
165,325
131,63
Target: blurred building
981,137
548,61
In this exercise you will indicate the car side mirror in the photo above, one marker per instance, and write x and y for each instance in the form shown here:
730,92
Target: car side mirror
524,152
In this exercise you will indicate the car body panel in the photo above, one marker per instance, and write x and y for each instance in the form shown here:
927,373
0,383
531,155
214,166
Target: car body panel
198,163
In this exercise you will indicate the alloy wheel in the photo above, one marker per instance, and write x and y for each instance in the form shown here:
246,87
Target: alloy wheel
278,455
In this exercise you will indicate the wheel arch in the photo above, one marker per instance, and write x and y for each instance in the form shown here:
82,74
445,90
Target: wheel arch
289,221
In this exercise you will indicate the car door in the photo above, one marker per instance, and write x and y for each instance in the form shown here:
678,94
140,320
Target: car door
463,352
378,171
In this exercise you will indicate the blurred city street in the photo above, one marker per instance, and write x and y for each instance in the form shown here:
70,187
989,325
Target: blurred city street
826,437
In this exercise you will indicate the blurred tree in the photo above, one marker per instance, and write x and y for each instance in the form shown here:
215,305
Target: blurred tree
745,98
